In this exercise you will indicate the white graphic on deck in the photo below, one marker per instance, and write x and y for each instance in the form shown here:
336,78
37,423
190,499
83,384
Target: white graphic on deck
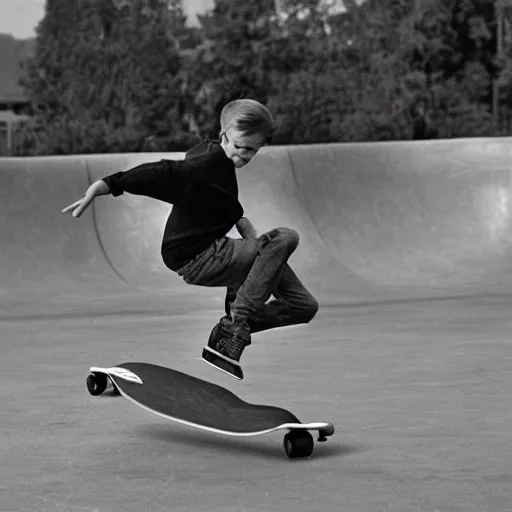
122,373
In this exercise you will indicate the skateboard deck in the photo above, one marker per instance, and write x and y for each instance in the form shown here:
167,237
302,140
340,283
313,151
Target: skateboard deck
201,404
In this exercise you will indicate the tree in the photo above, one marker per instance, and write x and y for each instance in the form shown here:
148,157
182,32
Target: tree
230,62
104,76
452,56
123,75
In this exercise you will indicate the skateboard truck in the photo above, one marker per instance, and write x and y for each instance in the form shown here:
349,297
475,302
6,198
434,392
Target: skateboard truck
324,433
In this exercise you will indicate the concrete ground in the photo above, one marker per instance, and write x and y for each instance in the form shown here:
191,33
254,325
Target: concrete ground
407,246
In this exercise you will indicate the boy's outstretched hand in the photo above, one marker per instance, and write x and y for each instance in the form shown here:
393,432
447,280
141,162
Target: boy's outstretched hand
98,188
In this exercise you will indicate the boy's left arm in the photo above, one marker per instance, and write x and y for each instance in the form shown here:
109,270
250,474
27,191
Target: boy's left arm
246,229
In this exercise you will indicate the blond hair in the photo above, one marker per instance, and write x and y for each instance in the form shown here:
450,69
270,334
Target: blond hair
248,116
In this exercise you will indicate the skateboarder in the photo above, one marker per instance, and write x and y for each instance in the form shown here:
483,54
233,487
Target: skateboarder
203,190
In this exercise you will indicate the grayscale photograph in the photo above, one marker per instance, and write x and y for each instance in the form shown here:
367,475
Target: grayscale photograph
256,256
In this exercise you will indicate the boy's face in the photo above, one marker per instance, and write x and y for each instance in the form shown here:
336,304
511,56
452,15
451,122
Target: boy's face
240,148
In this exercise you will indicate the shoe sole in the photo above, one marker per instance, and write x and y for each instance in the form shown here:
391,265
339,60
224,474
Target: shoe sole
213,358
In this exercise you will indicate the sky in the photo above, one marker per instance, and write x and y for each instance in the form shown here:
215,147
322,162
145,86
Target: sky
20,17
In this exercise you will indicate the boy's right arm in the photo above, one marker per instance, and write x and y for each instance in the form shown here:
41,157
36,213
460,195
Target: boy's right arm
166,180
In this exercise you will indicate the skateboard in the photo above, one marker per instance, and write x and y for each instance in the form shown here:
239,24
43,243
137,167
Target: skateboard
201,404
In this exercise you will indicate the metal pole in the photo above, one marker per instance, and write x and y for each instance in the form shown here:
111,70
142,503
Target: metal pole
9,138
499,51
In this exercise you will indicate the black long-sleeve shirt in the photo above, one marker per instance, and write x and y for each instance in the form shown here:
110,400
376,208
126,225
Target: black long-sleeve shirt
203,190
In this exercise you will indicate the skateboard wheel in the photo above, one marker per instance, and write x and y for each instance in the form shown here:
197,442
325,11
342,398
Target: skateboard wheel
298,444
96,383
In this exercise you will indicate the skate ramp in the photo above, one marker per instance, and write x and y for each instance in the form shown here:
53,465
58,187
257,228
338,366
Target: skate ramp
414,218
434,215
40,249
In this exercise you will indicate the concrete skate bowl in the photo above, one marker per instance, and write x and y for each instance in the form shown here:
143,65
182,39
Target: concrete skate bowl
415,219
434,216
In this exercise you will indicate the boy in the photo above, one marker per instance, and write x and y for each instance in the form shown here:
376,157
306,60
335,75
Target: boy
204,193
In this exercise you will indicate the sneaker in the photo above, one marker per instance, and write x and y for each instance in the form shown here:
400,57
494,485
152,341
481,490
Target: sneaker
225,347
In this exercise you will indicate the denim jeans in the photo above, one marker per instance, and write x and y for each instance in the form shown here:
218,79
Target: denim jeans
256,269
